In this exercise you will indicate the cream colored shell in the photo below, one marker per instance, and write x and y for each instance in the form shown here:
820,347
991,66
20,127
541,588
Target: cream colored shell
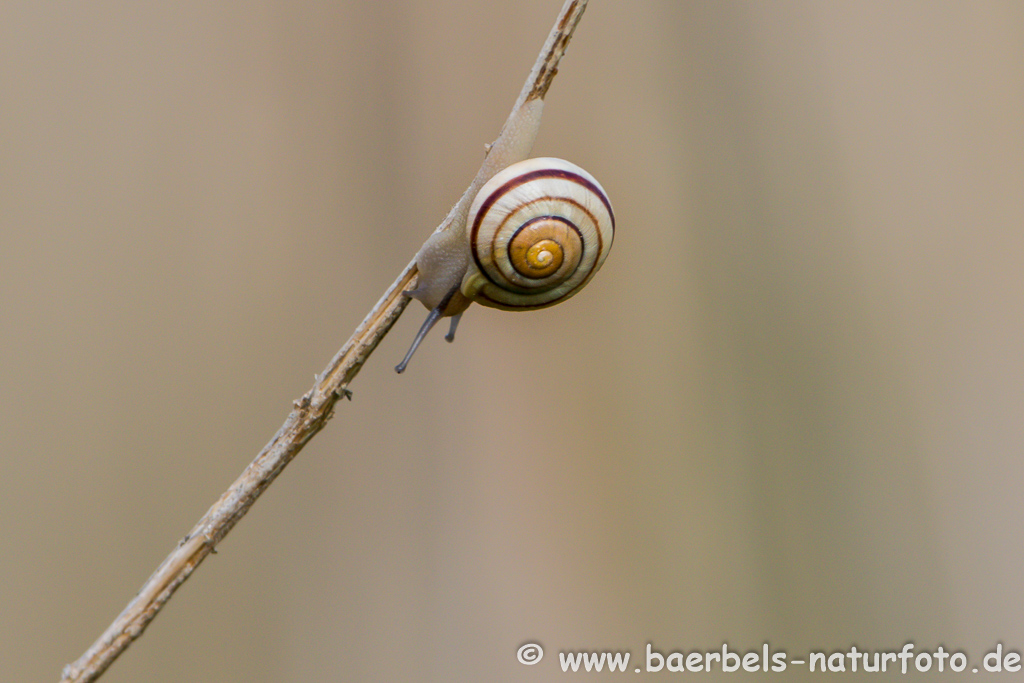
538,231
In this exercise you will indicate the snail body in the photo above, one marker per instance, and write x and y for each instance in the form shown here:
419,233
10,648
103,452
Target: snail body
535,234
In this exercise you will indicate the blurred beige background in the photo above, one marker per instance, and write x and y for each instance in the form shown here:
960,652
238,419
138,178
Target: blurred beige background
789,409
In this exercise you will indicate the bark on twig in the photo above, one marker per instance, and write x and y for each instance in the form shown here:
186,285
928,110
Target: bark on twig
311,412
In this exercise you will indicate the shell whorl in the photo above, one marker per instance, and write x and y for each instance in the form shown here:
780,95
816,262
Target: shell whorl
538,231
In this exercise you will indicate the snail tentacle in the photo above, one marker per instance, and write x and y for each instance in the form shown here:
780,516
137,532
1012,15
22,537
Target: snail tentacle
435,314
450,337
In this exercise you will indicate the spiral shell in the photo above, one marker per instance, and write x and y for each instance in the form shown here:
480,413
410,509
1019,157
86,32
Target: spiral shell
538,231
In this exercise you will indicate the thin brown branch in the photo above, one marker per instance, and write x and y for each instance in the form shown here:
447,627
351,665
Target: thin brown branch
311,412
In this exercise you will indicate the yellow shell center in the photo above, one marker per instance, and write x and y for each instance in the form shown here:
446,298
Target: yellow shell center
544,257
537,250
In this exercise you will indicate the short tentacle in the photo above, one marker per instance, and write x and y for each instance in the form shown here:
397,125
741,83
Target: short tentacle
450,337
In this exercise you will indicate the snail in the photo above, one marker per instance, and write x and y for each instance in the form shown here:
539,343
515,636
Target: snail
535,234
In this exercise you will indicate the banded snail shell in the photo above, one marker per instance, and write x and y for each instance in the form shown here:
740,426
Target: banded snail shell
538,231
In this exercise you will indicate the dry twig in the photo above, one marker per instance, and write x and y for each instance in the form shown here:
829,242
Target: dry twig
311,412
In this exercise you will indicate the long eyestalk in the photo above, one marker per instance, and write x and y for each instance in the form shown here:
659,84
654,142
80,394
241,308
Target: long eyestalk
432,318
